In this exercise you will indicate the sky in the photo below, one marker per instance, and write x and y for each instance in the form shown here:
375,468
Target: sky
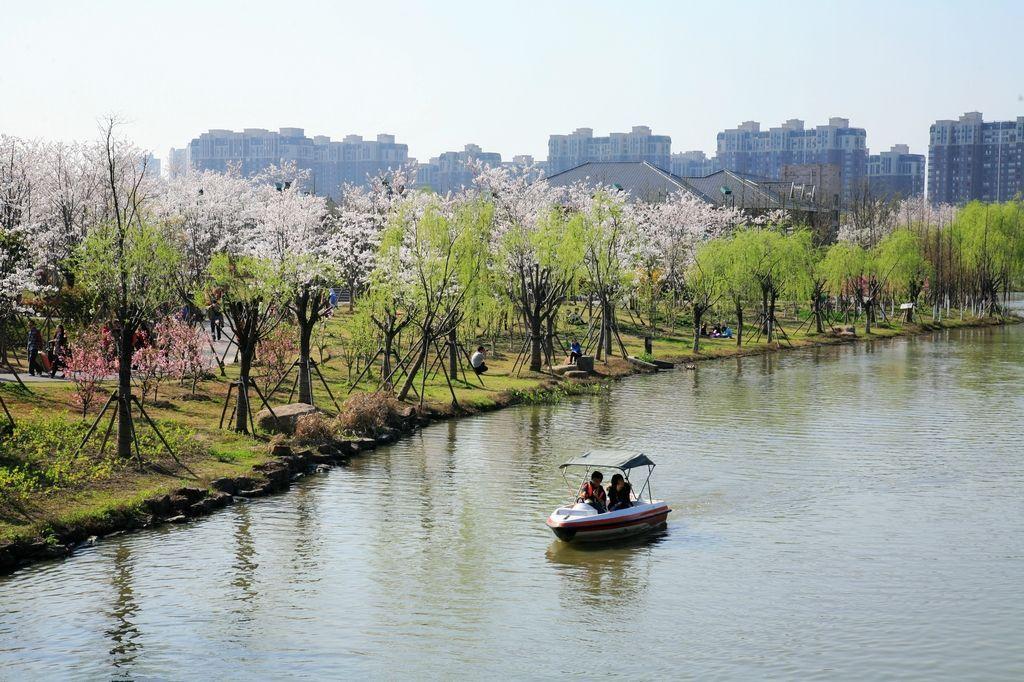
504,75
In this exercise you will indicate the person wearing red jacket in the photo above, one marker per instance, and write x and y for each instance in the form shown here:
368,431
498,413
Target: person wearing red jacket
593,493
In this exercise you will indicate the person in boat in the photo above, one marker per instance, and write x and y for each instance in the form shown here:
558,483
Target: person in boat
593,493
619,493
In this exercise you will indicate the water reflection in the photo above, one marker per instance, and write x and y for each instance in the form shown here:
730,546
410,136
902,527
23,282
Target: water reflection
244,564
606,581
123,633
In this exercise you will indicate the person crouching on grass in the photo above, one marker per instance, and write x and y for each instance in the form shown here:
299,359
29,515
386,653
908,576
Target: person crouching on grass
477,360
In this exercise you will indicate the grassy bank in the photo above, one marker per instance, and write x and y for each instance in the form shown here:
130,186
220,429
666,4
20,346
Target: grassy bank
48,494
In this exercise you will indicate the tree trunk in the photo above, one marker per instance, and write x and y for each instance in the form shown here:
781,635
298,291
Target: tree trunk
420,359
305,371
606,322
307,307
739,324
385,363
453,354
124,392
246,351
698,315
536,340
549,339
770,317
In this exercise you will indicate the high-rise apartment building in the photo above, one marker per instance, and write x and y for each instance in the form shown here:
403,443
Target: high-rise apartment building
970,159
896,173
763,153
331,163
693,164
451,171
568,151
177,162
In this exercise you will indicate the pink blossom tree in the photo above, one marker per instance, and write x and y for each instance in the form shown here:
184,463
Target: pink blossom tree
152,366
183,346
87,365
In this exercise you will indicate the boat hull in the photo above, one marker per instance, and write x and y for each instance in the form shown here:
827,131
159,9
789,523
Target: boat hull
608,526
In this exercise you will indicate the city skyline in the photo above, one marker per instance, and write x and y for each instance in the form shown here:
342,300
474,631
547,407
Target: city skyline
441,77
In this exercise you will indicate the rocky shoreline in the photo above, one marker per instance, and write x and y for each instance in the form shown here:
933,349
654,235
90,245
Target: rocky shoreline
290,463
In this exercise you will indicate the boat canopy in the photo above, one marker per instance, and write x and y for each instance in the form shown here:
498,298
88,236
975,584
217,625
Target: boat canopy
610,459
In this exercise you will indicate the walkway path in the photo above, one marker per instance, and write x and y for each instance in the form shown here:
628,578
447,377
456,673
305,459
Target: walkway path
23,374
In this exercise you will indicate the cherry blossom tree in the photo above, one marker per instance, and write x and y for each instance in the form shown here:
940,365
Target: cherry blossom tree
359,220
609,237
291,230
203,213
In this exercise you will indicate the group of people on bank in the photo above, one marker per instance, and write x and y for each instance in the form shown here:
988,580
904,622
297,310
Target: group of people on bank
618,496
718,331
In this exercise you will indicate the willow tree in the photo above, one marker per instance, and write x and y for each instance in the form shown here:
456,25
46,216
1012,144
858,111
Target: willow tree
444,252
703,287
732,260
902,266
779,263
849,270
992,243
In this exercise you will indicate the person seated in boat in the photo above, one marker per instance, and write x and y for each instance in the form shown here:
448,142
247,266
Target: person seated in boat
593,493
619,494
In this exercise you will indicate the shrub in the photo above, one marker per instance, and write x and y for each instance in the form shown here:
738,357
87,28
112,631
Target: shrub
277,355
314,429
42,452
367,414
15,486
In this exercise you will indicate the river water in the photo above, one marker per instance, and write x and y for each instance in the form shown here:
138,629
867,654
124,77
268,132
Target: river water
853,512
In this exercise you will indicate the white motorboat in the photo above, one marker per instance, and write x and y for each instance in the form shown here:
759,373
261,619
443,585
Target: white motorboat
581,522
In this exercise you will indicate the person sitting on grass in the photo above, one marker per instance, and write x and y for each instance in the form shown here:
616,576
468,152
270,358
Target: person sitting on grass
619,493
592,493
477,360
727,333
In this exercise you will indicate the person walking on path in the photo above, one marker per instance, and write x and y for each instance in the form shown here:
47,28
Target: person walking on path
58,349
35,344
216,321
